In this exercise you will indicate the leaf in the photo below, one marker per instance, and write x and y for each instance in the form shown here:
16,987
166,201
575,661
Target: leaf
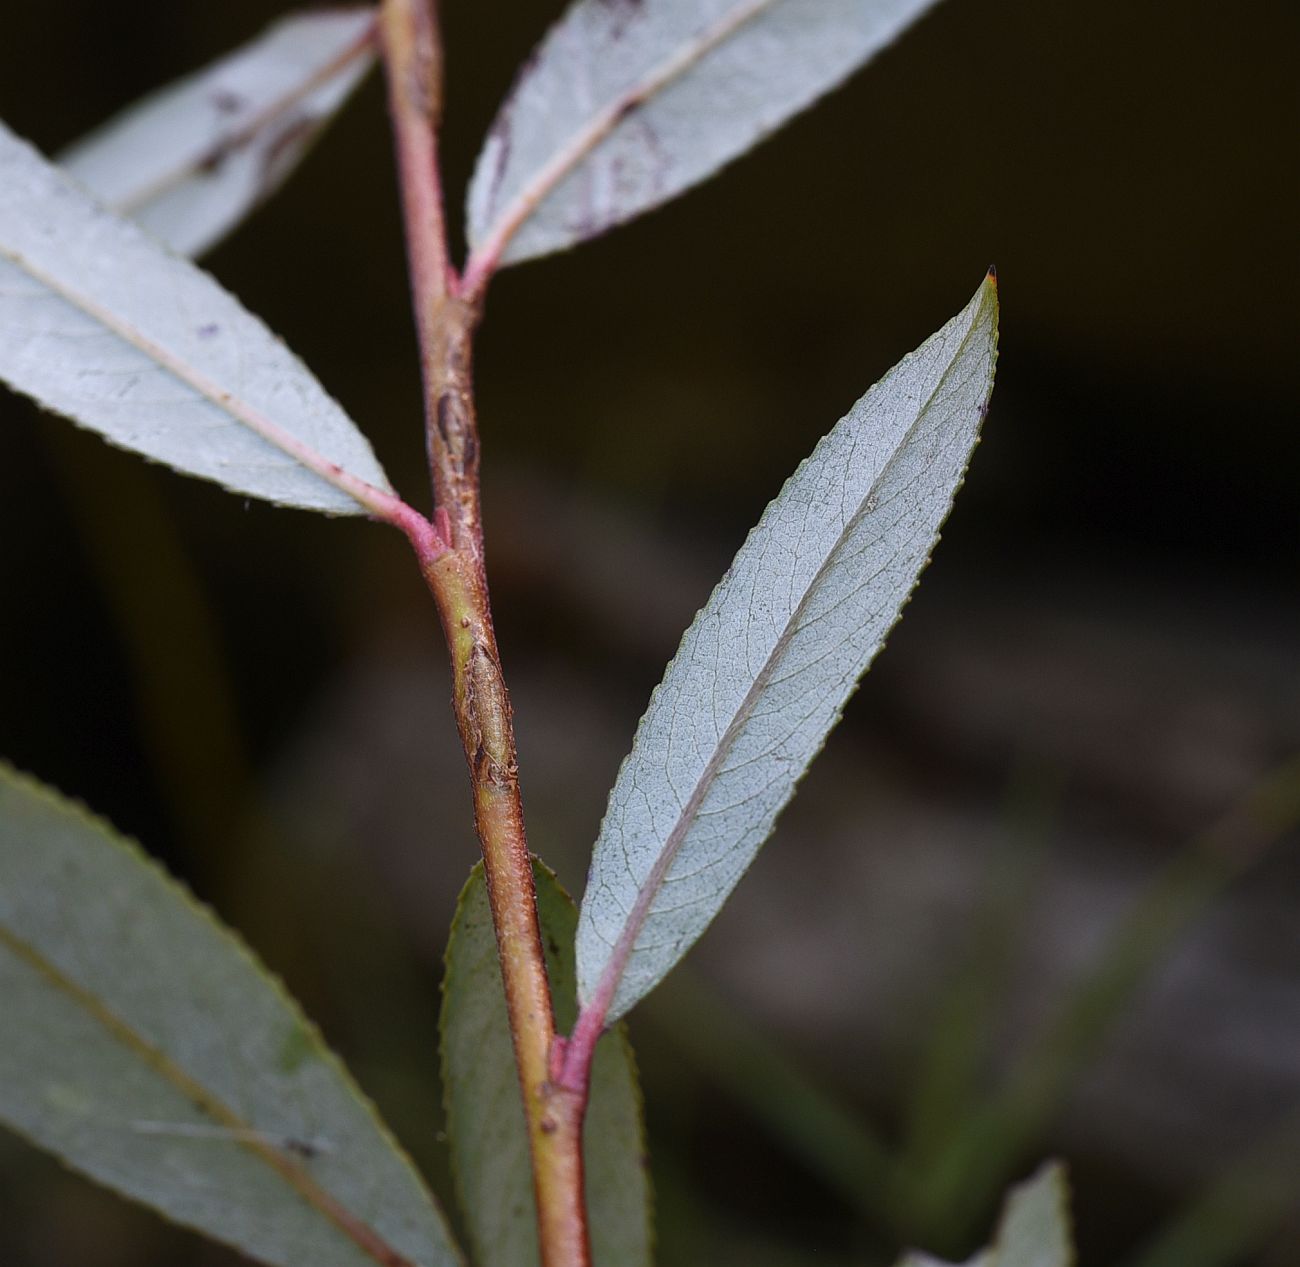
988,1141
1034,1230
142,1043
191,160
627,103
485,1117
767,665
1035,1226
100,323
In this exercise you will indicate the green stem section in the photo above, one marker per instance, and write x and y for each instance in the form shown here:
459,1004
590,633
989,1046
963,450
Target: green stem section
456,578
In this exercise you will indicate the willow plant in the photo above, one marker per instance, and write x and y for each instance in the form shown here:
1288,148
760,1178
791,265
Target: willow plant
141,1042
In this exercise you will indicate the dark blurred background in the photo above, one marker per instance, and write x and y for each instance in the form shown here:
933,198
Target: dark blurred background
993,925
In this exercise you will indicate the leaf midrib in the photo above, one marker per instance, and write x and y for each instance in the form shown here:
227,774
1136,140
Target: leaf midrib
620,955
244,1134
242,136
567,156
365,494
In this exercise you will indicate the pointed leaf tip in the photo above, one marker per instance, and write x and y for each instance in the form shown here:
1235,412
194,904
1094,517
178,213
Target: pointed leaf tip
1035,1228
762,674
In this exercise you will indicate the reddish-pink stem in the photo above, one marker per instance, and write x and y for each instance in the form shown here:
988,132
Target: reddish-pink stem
456,578
571,1057
430,541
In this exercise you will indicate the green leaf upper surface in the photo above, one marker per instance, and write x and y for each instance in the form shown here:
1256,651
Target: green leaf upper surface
625,105
100,323
191,160
767,665
485,1118
144,1045
1034,1230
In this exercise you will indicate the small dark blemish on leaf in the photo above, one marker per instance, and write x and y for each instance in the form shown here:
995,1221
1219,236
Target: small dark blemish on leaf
224,101
211,162
284,149
623,11
209,330
629,107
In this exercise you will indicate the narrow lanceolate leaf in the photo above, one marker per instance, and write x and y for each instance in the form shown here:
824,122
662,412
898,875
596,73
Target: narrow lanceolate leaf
100,323
143,1044
485,1117
1034,1230
627,103
191,160
767,665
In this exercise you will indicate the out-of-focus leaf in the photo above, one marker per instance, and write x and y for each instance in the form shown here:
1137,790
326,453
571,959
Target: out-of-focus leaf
1236,1215
824,1134
192,159
485,1118
991,1139
627,103
142,1043
1034,1230
948,1070
100,323
765,669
